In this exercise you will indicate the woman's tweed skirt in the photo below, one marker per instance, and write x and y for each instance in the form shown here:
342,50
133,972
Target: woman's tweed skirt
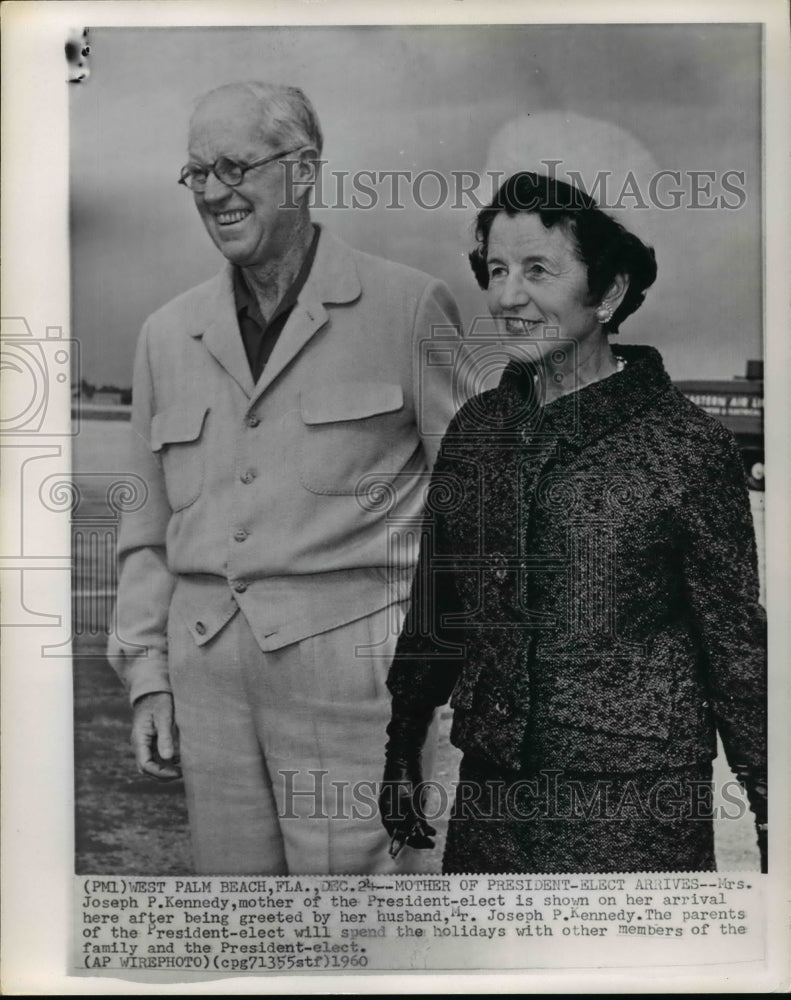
553,821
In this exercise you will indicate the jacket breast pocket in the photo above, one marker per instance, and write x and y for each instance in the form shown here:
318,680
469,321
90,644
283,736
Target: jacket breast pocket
176,435
352,430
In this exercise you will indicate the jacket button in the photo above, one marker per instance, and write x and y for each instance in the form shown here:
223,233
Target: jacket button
240,535
240,586
247,476
200,628
253,420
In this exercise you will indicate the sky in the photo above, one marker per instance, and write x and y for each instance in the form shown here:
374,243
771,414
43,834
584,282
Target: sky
423,99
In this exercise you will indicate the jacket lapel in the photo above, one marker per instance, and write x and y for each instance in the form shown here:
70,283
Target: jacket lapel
306,319
333,278
219,329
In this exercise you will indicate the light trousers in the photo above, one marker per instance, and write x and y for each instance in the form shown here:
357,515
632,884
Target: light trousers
283,751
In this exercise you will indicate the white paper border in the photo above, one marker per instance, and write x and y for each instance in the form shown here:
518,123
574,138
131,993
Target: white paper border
36,708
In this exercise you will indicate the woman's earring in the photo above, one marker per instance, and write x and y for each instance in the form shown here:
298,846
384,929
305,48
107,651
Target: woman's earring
603,314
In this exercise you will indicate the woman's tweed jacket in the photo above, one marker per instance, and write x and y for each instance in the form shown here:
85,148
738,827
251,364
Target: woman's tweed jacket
588,587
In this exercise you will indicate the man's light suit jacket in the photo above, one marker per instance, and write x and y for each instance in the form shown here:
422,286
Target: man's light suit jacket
291,500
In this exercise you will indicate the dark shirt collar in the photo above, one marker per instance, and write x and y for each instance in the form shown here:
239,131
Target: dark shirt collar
247,303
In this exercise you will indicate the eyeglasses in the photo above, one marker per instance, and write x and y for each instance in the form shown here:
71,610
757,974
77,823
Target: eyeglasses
228,171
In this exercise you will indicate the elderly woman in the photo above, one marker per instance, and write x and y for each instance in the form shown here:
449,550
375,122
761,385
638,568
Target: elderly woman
587,594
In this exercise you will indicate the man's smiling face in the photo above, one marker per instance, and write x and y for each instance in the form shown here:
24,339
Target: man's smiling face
245,223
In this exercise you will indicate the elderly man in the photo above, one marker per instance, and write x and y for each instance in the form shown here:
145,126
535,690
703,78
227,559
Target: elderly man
259,594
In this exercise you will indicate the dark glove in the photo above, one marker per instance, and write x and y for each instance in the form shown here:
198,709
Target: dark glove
755,786
402,796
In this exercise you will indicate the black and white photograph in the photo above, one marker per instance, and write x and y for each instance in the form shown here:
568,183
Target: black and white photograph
403,447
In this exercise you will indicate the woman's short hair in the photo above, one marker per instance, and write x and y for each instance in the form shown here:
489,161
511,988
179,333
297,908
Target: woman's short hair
603,245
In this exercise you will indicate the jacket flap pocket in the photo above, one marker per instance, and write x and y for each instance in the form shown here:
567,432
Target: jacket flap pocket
176,425
349,401
621,695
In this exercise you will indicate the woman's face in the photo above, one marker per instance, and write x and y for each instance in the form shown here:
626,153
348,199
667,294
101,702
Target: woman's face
537,282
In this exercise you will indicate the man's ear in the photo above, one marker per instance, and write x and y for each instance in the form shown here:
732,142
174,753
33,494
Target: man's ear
303,168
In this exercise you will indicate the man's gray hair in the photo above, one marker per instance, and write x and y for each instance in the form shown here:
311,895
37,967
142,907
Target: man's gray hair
286,115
